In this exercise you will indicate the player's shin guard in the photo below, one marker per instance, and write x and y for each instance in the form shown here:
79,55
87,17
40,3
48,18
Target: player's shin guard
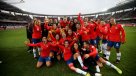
104,49
118,56
34,52
80,71
107,54
114,67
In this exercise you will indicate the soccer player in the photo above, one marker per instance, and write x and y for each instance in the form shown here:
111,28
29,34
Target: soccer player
68,57
55,50
64,22
84,30
45,50
116,36
71,35
94,33
52,28
77,55
103,31
36,36
74,25
92,52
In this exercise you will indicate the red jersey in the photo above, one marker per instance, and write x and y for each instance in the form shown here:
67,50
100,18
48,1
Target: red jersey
64,24
45,48
93,33
54,41
71,37
116,33
98,30
37,32
67,51
93,51
61,41
104,31
50,28
85,36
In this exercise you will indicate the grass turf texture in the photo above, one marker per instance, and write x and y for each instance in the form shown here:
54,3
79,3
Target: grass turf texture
16,61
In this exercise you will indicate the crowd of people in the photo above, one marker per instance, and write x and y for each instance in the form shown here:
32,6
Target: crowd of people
75,39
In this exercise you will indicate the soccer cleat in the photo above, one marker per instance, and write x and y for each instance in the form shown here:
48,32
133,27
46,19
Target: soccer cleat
118,70
88,74
84,68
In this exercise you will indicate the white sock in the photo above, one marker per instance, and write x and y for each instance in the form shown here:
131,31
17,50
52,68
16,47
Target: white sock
80,71
107,54
39,49
105,46
80,61
97,68
34,52
118,56
111,65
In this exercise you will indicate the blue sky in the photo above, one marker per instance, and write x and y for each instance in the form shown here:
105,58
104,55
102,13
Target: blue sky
65,7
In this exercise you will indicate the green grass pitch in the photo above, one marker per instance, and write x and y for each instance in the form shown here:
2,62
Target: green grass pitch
16,61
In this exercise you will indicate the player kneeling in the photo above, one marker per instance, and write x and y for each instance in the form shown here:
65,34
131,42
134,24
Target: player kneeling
45,51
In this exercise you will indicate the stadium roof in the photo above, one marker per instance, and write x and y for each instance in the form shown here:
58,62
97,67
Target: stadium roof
63,7
9,7
121,6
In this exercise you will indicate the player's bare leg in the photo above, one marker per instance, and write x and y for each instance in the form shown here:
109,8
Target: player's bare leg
48,63
39,64
58,57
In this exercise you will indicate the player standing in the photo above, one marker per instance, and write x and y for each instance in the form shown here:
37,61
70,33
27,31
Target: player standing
116,36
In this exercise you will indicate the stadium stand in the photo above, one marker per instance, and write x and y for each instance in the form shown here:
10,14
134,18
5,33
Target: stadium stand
123,12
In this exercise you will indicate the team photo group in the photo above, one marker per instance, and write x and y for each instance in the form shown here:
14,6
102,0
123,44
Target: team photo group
84,40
